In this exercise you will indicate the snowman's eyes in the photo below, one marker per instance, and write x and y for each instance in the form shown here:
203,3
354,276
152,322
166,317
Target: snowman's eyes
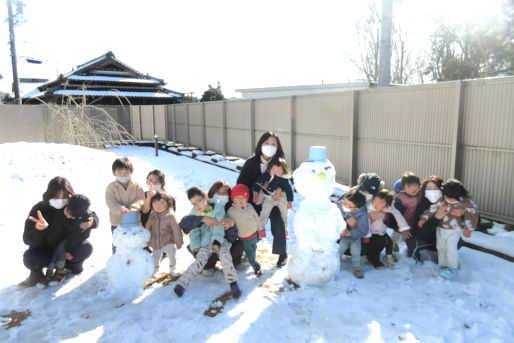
313,171
327,168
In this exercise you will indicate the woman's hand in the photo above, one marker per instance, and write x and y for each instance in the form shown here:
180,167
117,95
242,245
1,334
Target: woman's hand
457,212
68,256
256,199
442,211
151,192
41,223
228,223
289,205
211,221
86,225
378,215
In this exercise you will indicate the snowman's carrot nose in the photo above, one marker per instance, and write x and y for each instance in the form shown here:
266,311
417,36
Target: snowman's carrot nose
322,176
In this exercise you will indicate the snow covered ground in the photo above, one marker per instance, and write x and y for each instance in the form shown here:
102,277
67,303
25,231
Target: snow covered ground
408,303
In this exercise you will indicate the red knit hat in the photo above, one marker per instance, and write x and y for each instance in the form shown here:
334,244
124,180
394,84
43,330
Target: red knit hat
240,190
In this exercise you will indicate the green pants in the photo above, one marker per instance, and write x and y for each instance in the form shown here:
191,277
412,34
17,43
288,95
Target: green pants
250,248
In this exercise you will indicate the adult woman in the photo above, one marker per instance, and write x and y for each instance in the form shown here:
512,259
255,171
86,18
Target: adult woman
267,147
220,191
422,245
44,230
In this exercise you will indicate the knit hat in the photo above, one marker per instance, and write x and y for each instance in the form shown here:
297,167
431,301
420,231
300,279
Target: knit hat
78,206
240,190
370,183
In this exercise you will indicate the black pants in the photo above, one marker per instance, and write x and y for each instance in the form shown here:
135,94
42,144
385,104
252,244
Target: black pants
37,258
278,230
375,246
236,251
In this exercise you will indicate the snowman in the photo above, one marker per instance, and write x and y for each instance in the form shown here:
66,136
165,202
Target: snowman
317,223
130,266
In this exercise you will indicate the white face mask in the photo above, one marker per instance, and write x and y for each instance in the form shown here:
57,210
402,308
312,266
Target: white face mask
368,196
223,199
268,150
433,195
156,187
123,179
58,203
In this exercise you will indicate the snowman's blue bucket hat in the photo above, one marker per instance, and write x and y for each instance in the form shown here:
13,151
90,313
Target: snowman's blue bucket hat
129,219
317,154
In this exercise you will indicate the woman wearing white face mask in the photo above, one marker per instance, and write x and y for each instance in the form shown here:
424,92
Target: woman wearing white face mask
220,191
44,230
268,146
422,245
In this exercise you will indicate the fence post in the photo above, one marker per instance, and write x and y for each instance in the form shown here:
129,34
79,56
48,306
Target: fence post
354,121
153,119
292,130
204,129
252,126
224,121
140,124
166,124
174,121
187,125
455,170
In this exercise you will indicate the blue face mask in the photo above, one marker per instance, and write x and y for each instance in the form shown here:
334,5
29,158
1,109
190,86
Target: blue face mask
123,179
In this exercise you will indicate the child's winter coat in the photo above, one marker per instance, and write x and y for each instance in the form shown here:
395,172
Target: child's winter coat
468,221
361,215
274,183
204,235
116,197
74,234
247,220
378,227
163,229
407,204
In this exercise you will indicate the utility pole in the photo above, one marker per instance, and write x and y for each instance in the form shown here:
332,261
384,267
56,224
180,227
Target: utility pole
386,29
14,62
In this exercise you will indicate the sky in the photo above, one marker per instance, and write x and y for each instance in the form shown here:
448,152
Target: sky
191,44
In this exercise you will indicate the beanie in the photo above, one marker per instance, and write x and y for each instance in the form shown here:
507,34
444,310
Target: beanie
240,190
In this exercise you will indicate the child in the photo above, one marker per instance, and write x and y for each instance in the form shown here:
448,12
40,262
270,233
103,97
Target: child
382,202
406,202
275,190
206,239
247,222
165,233
155,180
205,235
355,213
122,195
77,212
450,227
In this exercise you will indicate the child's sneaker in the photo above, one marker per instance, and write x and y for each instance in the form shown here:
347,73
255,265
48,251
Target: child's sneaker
58,277
234,289
357,272
257,270
378,265
179,290
395,257
390,261
447,272
173,273
364,259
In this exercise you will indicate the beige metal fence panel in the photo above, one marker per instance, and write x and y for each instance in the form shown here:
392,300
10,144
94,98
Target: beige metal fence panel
214,125
23,123
181,123
238,128
160,121
488,145
147,124
406,128
325,120
274,114
135,119
195,125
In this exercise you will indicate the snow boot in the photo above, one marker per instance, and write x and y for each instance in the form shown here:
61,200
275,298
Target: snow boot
257,270
390,261
378,265
35,277
447,272
58,277
234,289
179,290
282,260
357,272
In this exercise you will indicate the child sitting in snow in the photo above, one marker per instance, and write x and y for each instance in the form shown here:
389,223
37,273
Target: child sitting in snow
353,209
247,222
382,202
272,188
450,227
164,230
205,235
76,212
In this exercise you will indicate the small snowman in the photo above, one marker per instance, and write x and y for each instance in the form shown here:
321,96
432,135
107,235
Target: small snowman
317,223
131,266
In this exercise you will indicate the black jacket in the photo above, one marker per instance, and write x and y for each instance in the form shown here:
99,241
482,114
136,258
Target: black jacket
249,173
52,235
73,233
426,233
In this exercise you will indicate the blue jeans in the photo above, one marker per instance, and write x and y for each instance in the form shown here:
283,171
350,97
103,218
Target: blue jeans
355,249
